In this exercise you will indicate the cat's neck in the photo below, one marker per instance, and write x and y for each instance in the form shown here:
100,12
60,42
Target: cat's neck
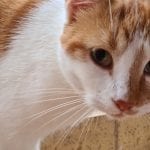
30,65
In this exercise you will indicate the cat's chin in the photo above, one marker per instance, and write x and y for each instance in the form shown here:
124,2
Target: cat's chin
118,117
122,115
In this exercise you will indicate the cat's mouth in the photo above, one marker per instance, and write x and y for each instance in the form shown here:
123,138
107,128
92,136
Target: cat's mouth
122,114
113,111
125,114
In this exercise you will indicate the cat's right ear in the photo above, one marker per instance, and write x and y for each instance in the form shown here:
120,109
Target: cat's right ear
74,6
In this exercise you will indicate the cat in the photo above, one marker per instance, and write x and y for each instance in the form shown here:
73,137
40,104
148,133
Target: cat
62,59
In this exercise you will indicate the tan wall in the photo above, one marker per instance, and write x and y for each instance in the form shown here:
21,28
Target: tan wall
102,134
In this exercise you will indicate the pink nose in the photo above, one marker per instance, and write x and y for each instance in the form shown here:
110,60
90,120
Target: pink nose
123,105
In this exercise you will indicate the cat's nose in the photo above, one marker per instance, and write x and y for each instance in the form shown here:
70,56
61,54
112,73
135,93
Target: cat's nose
123,105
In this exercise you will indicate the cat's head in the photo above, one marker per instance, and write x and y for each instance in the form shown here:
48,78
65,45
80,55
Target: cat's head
106,54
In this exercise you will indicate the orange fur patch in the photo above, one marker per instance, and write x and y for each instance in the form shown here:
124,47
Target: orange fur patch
93,26
11,14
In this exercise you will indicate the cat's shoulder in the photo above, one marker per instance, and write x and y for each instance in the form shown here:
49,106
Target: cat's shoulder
10,9
11,13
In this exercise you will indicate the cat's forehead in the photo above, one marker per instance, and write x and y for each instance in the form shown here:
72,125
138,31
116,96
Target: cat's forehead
125,21
113,28
133,22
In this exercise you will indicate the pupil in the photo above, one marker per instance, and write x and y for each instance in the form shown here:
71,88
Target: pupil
149,65
100,55
147,69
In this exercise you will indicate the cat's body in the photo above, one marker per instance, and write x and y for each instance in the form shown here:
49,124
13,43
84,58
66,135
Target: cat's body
30,54
30,73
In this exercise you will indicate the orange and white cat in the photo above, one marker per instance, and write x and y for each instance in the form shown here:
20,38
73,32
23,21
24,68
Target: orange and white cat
50,48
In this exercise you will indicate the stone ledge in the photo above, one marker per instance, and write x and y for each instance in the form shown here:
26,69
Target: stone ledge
99,133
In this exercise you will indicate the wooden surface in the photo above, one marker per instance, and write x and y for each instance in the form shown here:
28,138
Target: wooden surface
100,133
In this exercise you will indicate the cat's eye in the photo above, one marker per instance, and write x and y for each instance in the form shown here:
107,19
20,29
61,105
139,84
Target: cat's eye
102,58
147,69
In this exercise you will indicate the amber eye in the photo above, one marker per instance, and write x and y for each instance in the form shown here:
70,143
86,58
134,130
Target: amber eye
147,69
102,58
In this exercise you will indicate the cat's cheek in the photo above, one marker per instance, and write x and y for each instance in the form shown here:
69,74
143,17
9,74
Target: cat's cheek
67,68
74,81
88,78
102,104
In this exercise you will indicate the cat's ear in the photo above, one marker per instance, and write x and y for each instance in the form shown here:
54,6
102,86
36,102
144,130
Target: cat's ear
73,6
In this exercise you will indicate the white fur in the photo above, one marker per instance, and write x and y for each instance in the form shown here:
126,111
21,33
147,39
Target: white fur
28,67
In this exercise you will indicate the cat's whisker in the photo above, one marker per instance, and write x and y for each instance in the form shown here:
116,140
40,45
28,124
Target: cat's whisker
88,128
111,15
55,99
61,124
53,89
96,123
47,94
42,92
53,109
136,9
70,130
62,138
41,115
82,131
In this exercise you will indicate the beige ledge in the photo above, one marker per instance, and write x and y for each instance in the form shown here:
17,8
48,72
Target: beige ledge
100,133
